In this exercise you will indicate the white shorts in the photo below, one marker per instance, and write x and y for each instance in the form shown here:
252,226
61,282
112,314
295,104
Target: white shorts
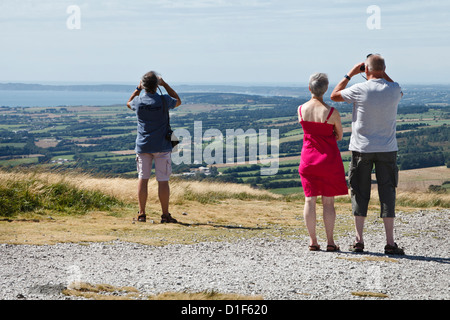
163,165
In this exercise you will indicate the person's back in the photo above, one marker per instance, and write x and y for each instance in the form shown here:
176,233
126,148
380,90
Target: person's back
153,122
317,111
375,104
321,169
373,143
152,142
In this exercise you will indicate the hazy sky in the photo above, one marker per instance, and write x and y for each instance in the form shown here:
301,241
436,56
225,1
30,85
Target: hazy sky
221,41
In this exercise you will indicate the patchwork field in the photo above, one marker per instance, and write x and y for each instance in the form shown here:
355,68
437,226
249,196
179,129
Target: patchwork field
100,140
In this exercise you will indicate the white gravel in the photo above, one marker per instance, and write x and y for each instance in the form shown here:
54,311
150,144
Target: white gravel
277,269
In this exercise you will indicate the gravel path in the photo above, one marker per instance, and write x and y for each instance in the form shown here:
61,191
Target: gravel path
274,268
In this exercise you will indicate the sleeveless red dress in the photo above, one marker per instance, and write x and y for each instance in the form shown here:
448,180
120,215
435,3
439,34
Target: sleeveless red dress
321,169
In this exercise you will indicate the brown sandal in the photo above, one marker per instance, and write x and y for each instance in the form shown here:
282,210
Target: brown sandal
314,248
333,248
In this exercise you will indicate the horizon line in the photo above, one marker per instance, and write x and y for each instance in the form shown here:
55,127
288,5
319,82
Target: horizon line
228,84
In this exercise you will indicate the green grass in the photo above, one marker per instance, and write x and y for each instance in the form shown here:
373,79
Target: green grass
211,197
13,144
34,196
287,191
17,162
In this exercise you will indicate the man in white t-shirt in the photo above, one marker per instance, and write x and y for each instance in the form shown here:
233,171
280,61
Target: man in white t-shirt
373,142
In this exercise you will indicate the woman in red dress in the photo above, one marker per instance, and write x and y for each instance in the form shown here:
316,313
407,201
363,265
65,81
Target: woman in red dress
321,169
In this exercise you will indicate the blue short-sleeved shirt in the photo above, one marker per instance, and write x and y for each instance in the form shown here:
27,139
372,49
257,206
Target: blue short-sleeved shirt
153,122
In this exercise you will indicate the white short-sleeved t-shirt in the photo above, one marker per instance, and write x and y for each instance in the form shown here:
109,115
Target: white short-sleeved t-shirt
375,104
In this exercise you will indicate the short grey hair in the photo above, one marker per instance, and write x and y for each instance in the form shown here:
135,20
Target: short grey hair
318,84
375,62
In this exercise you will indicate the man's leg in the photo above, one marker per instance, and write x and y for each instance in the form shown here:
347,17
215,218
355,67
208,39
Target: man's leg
360,176
163,169
142,195
164,196
359,228
387,180
144,167
389,228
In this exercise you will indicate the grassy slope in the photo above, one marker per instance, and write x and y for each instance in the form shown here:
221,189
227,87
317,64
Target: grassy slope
214,212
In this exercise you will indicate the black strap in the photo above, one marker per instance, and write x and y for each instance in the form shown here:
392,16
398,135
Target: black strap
164,106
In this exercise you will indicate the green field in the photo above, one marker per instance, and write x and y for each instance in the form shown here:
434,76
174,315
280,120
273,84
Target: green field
100,140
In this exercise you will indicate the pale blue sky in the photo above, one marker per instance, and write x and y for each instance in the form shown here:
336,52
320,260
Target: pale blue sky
220,41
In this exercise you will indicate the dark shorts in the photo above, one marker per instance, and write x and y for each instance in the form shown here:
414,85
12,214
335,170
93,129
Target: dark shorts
360,177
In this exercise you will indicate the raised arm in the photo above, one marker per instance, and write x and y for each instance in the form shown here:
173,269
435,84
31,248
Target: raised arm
336,94
136,93
170,91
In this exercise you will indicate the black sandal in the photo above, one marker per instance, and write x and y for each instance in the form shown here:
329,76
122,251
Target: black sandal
357,247
388,249
168,219
141,217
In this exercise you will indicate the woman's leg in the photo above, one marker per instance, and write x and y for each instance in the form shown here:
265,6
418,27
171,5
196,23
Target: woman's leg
329,218
309,213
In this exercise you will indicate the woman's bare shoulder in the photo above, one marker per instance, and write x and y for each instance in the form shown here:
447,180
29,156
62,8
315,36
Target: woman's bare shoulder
335,116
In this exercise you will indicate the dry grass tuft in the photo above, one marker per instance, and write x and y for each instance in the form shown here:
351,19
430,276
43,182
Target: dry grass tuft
423,199
205,295
363,259
100,291
370,294
109,292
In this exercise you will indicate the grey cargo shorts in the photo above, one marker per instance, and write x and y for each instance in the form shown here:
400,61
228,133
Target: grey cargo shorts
360,178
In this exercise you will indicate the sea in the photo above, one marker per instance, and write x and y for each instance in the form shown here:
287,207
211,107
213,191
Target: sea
38,98
420,94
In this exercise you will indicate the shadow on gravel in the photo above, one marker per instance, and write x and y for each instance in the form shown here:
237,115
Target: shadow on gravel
406,256
226,226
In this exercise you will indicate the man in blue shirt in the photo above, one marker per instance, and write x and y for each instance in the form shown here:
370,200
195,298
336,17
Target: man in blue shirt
152,143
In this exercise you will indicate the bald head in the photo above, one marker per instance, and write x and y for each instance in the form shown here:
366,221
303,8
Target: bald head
376,63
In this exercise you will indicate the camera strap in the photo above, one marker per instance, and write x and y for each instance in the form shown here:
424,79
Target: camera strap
164,107
174,139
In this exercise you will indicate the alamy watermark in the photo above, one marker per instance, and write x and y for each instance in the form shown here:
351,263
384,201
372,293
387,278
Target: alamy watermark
74,277
73,22
241,147
374,20
373,280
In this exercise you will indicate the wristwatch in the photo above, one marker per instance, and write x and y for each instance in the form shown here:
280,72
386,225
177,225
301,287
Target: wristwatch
347,77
